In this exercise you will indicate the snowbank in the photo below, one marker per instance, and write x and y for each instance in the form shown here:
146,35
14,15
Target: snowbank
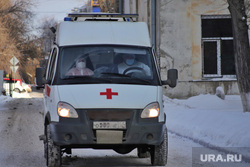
15,95
4,99
210,120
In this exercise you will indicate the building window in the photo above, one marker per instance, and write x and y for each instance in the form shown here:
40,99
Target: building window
217,46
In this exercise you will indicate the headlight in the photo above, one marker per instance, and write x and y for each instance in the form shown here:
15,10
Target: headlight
151,111
66,110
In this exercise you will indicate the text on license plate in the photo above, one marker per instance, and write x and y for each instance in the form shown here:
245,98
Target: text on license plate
109,125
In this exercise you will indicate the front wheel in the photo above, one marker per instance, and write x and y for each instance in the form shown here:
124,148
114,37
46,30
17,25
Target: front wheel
17,90
53,155
159,154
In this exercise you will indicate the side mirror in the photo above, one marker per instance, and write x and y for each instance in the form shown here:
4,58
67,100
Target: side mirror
172,78
40,81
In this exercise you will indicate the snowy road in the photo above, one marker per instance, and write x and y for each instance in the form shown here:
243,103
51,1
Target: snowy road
21,122
20,125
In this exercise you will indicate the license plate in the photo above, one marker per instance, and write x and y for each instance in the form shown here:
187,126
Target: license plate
109,125
109,136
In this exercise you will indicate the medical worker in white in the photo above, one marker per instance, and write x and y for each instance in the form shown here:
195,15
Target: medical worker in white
129,62
80,69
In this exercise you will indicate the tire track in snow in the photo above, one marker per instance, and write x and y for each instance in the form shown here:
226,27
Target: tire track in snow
21,124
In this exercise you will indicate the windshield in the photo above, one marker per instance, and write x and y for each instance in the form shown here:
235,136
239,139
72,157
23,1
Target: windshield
107,64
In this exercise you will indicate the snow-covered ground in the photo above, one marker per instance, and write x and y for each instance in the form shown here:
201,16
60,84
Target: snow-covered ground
21,122
205,119
210,121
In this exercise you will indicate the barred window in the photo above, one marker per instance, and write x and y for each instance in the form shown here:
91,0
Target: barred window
217,46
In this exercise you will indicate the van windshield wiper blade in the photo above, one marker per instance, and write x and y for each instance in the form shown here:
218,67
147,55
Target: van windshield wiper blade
116,74
85,78
127,76
143,80
76,76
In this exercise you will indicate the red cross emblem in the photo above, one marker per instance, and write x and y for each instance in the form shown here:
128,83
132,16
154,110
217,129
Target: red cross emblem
109,93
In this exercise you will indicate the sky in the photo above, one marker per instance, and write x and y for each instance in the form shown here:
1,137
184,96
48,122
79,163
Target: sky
56,9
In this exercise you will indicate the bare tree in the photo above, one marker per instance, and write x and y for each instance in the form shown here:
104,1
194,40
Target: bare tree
13,27
16,17
47,36
109,6
241,49
15,38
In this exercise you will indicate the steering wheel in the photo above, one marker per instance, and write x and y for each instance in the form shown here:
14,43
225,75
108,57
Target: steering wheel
141,70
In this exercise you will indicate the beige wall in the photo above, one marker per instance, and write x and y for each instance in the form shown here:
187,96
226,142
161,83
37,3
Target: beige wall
179,43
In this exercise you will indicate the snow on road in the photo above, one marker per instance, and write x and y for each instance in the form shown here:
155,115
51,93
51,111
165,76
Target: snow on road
180,155
21,123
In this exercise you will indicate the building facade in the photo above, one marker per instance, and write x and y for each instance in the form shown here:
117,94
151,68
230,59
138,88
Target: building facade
193,36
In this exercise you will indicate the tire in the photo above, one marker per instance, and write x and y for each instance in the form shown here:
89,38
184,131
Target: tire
159,154
53,152
45,142
17,90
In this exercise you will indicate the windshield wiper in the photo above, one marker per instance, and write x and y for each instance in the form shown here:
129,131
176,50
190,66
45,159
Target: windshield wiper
127,76
86,78
142,80
76,76
116,74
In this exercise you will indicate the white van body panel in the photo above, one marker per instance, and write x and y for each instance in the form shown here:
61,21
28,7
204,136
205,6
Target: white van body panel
118,33
88,96
51,99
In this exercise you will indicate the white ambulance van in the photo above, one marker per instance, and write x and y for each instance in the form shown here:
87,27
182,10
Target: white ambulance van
103,89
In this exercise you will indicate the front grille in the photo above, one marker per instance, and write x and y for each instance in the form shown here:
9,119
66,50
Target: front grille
109,115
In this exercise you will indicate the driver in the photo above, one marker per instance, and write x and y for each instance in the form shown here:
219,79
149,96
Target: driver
129,62
80,69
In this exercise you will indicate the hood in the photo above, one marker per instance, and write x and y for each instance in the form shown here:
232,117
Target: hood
108,95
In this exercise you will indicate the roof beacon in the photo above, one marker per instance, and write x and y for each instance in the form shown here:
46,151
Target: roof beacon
102,17
67,19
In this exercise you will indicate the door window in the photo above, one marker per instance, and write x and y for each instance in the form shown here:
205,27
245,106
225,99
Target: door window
51,66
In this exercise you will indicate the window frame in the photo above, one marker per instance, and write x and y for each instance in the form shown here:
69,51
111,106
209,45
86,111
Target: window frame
51,67
218,41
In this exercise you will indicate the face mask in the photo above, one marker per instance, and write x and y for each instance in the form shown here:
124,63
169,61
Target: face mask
81,65
130,61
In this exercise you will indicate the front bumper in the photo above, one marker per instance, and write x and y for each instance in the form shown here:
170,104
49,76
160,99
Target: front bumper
80,133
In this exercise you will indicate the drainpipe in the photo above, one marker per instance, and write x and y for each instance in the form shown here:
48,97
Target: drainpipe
154,34
158,31
153,23
121,6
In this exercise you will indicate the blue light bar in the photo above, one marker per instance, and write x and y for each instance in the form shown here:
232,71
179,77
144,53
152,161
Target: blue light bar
116,15
67,19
